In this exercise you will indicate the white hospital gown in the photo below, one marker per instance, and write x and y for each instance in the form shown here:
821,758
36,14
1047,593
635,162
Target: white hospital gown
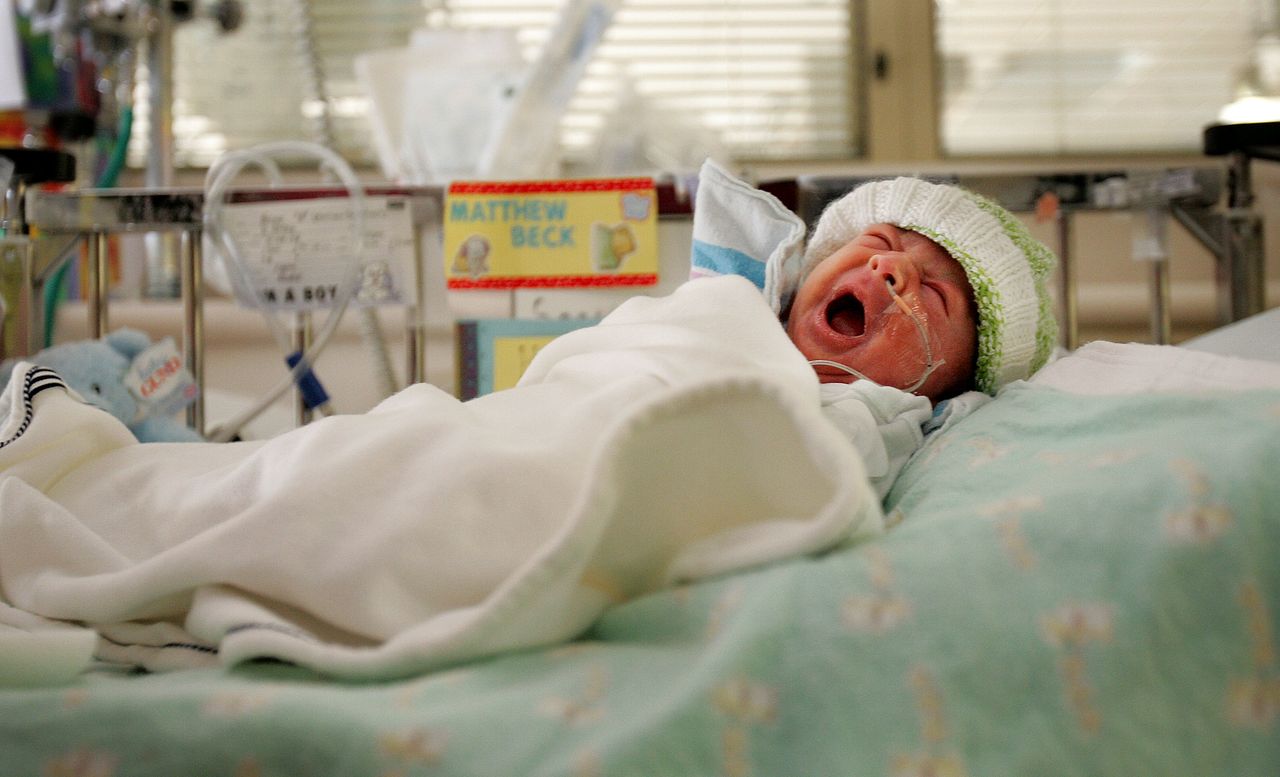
885,425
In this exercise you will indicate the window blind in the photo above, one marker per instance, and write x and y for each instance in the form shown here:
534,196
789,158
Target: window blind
1081,76
254,85
767,79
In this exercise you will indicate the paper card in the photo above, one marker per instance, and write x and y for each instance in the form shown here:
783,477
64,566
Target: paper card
493,353
159,382
511,357
551,233
299,253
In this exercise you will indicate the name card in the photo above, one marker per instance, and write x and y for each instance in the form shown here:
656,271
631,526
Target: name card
502,235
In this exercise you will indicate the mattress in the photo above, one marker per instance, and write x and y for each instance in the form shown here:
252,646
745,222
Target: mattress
1256,337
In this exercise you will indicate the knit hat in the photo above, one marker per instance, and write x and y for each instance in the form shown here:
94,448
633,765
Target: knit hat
1006,266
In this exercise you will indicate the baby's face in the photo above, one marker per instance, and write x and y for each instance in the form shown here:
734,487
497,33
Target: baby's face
845,313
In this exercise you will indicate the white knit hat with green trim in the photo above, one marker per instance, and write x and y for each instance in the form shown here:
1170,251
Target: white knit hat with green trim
1007,267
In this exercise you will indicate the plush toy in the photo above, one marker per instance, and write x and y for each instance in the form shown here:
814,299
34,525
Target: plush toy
100,371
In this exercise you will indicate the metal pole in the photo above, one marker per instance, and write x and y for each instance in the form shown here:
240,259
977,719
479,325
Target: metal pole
301,342
1161,321
1152,246
1068,312
163,274
160,97
98,283
193,323
1245,270
17,289
416,320
415,346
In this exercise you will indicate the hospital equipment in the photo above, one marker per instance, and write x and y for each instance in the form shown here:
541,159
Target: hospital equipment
74,67
1193,198
92,215
218,180
20,267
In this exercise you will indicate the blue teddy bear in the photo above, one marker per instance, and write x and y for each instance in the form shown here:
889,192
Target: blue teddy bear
96,370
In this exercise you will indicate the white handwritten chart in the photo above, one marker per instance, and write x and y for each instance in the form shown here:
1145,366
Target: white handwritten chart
299,254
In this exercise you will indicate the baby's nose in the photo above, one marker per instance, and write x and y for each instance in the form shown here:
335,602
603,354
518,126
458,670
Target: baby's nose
895,269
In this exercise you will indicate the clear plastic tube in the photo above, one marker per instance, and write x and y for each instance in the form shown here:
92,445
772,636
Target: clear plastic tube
217,181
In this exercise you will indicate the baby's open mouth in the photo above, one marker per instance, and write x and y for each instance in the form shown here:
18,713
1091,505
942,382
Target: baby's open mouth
845,316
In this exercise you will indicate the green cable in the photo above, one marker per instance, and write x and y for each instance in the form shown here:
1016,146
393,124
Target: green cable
115,163
54,293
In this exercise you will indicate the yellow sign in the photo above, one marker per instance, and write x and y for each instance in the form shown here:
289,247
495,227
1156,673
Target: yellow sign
551,233
511,357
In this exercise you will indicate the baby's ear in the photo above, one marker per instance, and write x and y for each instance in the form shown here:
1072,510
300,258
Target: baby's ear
128,342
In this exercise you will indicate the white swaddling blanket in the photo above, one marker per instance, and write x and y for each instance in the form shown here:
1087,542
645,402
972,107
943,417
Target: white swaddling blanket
680,438
1105,368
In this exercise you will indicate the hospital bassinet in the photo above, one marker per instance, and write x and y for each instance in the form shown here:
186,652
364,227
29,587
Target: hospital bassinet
1079,578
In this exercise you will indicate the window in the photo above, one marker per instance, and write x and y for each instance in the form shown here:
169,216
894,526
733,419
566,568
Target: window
1084,76
756,78
250,86
768,80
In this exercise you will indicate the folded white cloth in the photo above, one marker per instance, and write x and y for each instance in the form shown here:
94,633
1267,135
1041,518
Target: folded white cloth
1137,368
741,230
682,437
39,651
1255,337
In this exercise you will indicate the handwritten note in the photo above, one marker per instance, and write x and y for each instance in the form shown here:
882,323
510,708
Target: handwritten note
303,254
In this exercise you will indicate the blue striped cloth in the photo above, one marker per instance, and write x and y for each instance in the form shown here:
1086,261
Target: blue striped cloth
741,230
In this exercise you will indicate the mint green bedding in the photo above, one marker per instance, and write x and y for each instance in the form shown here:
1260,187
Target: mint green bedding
1072,586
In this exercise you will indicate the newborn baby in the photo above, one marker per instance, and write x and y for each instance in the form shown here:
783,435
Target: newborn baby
919,286
893,307
909,294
